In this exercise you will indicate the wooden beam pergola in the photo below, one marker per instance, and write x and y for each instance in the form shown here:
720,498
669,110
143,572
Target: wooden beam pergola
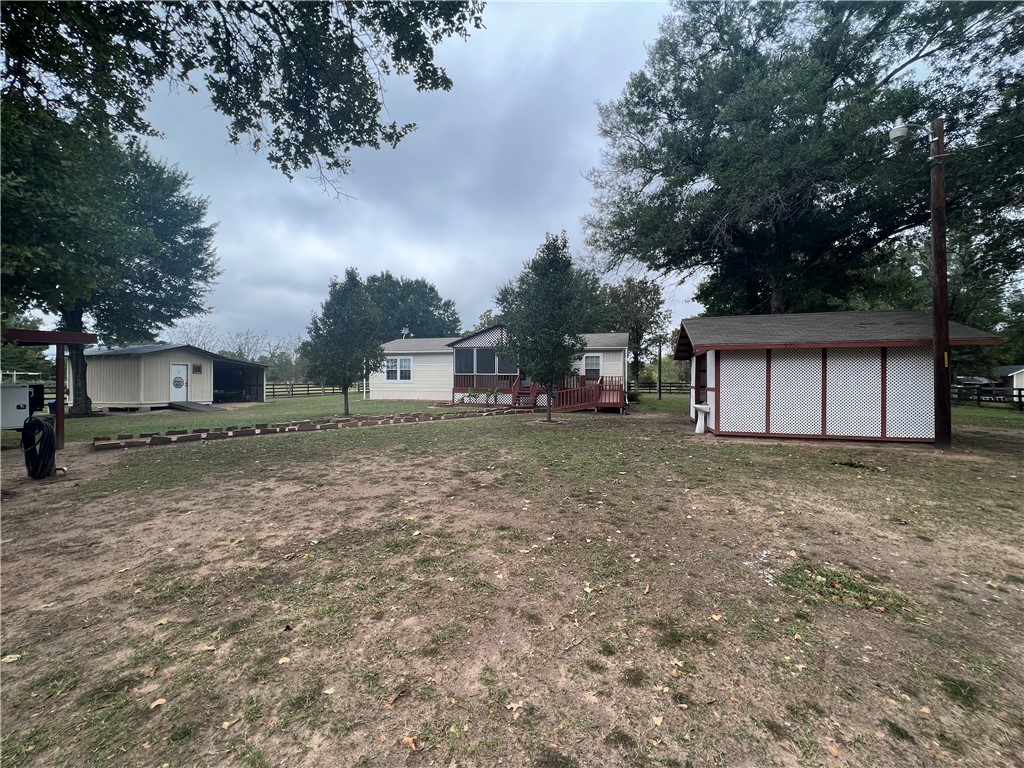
29,337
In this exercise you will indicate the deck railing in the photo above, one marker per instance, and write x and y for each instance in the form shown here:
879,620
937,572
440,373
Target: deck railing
481,382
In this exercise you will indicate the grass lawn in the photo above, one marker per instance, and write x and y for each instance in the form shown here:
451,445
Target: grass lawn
610,590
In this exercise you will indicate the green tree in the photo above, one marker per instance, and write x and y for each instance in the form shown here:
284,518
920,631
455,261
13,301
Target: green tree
414,304
543,310
1012,350
487,319
98,233
344,338
20,359
752,150
302,81
637,306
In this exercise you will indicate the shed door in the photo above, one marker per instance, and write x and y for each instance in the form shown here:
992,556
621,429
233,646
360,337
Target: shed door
179,382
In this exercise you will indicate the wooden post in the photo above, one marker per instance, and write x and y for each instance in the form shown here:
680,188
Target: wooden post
660,339
940,293
59,398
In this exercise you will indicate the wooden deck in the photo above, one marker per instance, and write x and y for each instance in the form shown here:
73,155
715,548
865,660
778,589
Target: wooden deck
575,393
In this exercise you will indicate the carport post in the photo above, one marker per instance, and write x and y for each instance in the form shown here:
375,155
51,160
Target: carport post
59,398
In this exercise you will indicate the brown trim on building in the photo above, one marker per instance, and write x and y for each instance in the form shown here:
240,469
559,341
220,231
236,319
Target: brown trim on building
718,383
768,391
885,376
829,437
824,389
845,344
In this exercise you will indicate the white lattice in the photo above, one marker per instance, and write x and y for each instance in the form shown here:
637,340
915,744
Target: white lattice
853,392
741,391
796,392
505,398
489,338
910,408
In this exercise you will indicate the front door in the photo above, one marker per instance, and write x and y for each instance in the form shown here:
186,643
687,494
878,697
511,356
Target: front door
179,383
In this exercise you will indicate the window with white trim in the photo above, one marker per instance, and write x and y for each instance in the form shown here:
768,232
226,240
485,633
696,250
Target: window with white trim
398,369
592,366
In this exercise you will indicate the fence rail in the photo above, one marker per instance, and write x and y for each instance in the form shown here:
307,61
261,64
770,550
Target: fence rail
964,394
667,387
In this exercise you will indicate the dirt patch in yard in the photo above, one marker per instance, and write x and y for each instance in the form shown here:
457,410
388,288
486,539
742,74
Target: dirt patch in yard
484,592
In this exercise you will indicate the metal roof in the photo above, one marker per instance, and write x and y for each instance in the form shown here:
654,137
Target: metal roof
818,329
1008,370
149,349
413,344
140,349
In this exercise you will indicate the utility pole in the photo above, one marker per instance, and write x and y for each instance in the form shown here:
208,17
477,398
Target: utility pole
940,291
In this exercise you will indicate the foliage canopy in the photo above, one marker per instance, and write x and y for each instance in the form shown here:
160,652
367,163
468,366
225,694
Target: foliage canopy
752,149
301,80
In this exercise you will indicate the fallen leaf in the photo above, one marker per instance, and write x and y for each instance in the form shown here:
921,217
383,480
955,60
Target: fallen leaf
657,720
834,750
10,657
146,745
515,716
791,553
284,660
926,710
410,742
647,589
515,705
157,703
717,617
161,622
206,649
329,691
654,742
228,723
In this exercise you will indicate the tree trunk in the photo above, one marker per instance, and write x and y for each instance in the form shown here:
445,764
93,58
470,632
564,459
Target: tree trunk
344,389
551,396
72,320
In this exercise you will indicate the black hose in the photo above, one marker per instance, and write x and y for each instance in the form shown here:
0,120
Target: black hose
39,443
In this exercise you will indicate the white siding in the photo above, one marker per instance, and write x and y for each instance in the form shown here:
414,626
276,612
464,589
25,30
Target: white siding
741,390
431,379
113,380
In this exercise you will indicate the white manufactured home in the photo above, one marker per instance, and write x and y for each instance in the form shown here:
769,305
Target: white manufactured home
468,369
414,369
839,375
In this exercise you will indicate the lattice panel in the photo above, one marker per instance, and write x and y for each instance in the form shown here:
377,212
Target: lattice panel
505,398
853,395
741,391
796,392
490,338
910,408
542,400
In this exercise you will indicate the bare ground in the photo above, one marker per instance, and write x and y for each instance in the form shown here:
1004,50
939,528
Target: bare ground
510,594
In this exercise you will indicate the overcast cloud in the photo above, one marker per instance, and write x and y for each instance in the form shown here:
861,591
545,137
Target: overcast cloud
462,202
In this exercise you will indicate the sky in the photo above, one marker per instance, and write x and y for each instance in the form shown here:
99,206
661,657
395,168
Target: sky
463,201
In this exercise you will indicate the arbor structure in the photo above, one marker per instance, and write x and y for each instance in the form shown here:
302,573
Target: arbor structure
544,313
301,81
411,304
751,151
98,233
344,337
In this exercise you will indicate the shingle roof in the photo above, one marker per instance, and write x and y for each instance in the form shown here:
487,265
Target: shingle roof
1009,370
606,340
824,329
413,344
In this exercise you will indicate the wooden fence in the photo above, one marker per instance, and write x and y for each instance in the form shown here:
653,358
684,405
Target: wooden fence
1006,397
667,387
